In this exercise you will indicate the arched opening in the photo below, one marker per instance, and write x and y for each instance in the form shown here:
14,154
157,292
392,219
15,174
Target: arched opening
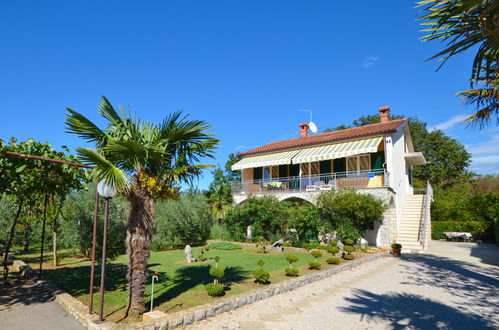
296,200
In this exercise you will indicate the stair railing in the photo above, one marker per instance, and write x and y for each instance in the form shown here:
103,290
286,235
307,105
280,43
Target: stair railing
425,218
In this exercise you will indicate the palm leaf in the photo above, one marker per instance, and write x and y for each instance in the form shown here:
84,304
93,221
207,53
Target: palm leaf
104,169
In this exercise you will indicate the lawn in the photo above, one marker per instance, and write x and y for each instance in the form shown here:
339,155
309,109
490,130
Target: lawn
180,286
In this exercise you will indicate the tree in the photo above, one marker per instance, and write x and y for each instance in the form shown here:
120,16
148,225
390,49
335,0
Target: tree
349,212
219,197
464,24
448,159
146,162
35,183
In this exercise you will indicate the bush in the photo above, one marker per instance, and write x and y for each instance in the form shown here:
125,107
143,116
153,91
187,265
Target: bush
292,258
479,229
333,243
348,257
316,254
333,260
314,265
348,248
77,219
396,246
351,213
261,276
291,271
333,250
220,232
186,221
265,215
310,245
348,241
224,246
217,272
215,290
307,222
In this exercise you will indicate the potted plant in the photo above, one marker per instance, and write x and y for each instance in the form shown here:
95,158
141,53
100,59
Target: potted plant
396,248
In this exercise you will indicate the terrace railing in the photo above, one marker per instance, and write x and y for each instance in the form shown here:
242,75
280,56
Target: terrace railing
319,182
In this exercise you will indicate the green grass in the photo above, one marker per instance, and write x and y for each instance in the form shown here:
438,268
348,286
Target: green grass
180,286
224,246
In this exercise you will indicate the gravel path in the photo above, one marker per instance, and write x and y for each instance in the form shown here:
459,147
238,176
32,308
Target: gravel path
25,305
420,291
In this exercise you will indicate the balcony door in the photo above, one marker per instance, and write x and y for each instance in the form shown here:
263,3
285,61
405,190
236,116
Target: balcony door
358,164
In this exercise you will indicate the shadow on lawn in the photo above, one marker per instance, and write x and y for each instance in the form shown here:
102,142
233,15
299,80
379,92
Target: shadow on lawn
187,278
75,280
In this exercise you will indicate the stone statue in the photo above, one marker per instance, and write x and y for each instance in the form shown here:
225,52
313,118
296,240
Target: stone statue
249,233
188,253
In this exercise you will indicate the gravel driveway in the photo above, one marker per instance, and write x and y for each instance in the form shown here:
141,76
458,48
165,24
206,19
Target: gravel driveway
416,291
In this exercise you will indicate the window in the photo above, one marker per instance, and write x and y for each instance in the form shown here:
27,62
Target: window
359,163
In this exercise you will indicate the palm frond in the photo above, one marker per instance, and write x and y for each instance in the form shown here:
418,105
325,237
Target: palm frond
107,111
104,169
78,124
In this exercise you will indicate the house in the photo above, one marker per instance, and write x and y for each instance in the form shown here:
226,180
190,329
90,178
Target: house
375,159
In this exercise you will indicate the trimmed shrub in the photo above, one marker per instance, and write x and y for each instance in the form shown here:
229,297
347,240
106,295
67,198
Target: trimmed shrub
348,241
314,265
333,250
224,246
316,254
261,276
215,290
348,248
348,257
217,272
291,271
333,243
396,246
333,260
291,258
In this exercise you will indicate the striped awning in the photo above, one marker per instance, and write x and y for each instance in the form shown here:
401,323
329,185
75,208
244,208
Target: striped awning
337,150
281,158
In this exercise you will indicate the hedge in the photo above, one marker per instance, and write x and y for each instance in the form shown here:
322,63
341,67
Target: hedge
480,229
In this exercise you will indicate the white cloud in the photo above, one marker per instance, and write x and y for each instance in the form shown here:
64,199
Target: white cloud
369,61
485,156
453,121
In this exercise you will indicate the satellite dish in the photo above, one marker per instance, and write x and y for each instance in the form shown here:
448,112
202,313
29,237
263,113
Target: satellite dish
312,127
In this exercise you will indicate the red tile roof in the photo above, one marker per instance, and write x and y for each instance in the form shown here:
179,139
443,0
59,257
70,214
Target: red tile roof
344,134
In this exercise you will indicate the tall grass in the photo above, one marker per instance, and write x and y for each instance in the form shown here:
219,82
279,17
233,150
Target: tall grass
219,231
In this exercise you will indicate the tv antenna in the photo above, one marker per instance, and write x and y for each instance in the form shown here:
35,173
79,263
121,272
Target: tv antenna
311,125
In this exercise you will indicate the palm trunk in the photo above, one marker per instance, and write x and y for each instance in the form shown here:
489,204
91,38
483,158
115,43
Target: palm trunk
138,241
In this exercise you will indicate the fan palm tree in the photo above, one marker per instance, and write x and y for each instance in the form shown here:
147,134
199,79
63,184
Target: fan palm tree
145,161
463,24
219,199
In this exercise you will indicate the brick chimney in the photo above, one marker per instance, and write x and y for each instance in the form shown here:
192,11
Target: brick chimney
303,130
384,114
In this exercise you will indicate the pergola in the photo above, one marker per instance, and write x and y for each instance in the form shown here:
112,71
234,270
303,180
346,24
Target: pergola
94,233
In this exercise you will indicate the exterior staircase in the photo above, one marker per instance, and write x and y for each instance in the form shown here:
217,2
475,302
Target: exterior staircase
414,231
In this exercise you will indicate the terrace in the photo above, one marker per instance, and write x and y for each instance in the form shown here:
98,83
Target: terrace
312,183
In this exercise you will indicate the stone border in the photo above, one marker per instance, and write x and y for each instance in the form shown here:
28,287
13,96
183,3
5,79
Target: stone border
185,317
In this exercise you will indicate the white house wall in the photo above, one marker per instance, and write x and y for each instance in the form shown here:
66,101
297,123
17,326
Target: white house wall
398,175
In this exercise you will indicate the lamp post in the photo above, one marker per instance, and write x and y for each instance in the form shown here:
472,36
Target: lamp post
94,244
107,192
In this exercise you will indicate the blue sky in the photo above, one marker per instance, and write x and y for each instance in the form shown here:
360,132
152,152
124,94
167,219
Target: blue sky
247,67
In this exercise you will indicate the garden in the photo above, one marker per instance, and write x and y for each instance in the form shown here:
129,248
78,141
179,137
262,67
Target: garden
49,205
